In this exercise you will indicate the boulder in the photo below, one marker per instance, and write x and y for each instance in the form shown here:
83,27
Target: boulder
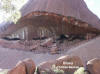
24,67
62,65
46,67
48,42
30,66
69,64
54,49
90,36
19,69
94,66
34,47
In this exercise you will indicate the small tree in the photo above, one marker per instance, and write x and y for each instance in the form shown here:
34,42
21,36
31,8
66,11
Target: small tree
10,9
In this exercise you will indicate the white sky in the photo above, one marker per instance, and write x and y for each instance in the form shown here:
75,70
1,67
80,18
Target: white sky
94,6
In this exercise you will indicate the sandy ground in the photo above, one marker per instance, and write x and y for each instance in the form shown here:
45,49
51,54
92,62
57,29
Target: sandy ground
87,51
9,58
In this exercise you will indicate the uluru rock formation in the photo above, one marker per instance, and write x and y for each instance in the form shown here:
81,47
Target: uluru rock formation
47,18
68,19
77,9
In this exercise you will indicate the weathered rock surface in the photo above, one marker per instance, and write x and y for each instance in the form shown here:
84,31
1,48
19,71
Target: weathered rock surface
75,8
52,16
65,64
90,36
24,67
69,63
94,66
48,42
20,68
54,49
46,67
30,66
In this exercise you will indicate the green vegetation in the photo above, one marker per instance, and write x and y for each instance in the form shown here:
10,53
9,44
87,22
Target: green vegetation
44,72
4,71
36,70
57,70
10,9
80,71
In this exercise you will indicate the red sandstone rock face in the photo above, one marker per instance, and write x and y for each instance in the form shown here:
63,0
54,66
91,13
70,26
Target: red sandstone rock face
20,68
90,36
24,67
30,66
94,66
75,8
48,42
46,67
54,49
69,64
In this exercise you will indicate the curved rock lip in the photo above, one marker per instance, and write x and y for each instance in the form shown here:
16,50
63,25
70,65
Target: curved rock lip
57,10
77,9
53,22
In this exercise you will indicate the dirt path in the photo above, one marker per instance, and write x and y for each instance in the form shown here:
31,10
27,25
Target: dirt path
9,58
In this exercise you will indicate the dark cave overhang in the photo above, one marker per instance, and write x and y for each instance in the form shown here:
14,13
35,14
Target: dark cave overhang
42,18
55,23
